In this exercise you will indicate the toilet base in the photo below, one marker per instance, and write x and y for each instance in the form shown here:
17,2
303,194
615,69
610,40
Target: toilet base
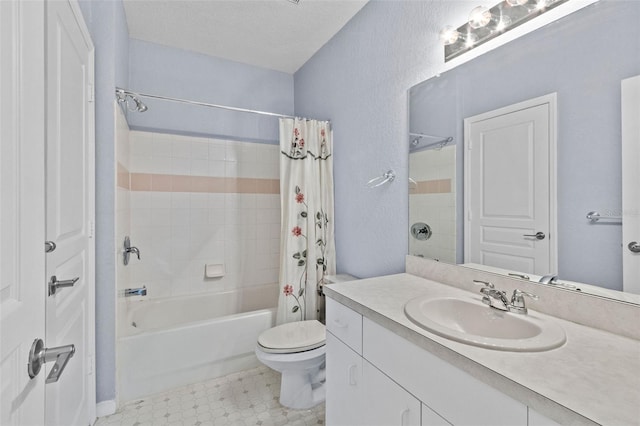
303,376
298,392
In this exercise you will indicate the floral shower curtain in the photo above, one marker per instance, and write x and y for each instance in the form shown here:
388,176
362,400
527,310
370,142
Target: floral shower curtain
307,248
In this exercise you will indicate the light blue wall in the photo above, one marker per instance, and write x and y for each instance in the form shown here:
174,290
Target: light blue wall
177,73
360,78
108,27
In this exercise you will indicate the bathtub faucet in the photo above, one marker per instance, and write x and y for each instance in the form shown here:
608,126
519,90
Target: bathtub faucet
135,291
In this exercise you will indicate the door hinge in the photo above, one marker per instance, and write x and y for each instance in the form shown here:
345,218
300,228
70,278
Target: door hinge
90,229
90,93
89,365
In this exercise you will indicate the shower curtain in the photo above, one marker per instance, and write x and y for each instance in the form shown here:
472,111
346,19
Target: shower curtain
307,248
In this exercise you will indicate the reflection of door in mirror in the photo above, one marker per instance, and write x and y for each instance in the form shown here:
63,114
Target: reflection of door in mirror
432,201
510,186
630,184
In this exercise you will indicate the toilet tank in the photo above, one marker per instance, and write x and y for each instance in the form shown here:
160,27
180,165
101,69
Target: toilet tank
329,279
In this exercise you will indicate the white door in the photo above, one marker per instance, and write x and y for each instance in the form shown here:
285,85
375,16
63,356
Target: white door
631,184
70,212
510,187
22,136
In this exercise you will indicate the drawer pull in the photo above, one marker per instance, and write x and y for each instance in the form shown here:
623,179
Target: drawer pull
352,375
340,324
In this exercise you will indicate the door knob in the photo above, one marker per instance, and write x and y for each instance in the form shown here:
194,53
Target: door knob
49,246
38,355
634,247
538,235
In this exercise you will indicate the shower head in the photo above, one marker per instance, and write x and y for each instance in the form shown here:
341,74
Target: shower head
140,107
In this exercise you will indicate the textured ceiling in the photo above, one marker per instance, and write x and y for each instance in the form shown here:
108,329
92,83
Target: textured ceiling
274,34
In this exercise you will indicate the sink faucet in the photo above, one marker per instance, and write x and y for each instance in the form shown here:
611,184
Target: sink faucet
490,295
548,279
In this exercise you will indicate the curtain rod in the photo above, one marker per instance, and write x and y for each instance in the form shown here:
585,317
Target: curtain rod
186,101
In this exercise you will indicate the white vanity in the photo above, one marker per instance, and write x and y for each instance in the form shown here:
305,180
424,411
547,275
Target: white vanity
383,369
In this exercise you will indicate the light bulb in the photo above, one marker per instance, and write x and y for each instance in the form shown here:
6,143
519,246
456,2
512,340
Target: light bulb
503,23
470,39
449,35
516,2
479,17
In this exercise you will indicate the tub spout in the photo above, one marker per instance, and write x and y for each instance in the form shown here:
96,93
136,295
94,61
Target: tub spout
128,292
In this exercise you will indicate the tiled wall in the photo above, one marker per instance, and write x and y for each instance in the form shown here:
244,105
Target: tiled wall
432,200
198,201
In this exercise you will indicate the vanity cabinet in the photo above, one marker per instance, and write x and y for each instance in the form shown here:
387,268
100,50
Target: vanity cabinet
376,377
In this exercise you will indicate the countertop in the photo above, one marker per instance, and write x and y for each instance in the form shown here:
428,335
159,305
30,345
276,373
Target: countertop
594,378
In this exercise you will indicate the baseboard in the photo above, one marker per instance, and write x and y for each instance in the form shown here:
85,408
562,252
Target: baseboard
105,408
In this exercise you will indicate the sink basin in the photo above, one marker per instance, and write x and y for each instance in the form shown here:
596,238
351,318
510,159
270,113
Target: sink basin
472,322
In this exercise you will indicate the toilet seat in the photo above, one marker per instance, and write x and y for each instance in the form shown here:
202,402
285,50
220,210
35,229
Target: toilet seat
293,337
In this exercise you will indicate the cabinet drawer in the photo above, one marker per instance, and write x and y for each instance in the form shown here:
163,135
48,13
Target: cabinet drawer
345,324
453,394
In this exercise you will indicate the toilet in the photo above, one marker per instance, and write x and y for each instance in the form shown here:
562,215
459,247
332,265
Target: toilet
297,350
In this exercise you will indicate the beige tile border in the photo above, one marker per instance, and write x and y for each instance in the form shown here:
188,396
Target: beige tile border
123,177
181,183
436,186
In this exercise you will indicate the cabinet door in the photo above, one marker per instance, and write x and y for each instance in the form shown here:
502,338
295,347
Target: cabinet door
386,402
344,384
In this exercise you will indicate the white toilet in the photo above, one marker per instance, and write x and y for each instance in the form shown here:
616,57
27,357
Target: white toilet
297,350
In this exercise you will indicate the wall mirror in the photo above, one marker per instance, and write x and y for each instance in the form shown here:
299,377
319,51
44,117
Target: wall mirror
582,58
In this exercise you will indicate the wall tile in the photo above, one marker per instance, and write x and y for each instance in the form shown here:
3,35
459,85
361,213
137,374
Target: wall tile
193,202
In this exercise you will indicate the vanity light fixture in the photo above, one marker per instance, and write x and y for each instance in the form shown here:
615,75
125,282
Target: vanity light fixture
486,23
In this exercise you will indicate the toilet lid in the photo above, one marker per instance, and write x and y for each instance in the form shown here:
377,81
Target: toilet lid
293,337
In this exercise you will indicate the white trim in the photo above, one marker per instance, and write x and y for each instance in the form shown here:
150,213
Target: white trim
94,410
630,178
551,100
106,408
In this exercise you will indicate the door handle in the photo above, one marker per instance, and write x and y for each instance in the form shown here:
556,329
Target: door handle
49,246
38,355
538,235
54,284
634,247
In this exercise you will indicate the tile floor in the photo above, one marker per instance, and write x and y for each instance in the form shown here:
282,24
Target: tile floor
246,398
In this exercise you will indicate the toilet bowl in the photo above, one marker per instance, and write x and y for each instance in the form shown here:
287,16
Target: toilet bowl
297,350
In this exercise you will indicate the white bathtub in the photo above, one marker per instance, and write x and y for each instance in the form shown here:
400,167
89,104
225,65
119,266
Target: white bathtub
186,339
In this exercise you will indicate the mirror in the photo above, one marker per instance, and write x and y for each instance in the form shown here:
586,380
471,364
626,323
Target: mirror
583,58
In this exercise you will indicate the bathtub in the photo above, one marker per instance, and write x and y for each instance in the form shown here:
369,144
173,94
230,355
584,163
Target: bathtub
175,341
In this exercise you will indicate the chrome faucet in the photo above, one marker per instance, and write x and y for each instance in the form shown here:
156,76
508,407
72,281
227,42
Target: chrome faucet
553,280
516,305
548,279
128,292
